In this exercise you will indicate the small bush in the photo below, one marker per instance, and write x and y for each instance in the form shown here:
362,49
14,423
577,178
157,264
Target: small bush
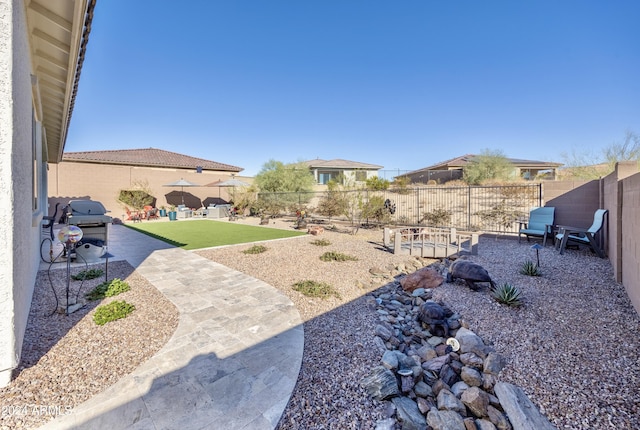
112,311
507,294
255,249
321,242
87,274
336,256
529,268
108,289
315,289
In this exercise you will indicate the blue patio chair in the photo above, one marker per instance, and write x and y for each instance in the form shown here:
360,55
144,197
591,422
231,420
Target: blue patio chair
540,224
583,236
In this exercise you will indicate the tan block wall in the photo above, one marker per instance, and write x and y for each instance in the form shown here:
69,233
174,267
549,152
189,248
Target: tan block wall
102,182
630,247
575,201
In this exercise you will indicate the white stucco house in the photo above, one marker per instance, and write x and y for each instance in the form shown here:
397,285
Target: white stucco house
42,46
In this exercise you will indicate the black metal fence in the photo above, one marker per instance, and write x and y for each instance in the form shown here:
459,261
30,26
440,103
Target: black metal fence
472,208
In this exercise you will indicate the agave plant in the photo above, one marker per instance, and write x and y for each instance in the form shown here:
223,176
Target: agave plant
507,294
529,268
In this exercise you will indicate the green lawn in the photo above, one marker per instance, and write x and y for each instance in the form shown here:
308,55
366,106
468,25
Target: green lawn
204,234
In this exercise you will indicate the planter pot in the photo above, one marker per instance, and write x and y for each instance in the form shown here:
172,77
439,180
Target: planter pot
163,212
173,216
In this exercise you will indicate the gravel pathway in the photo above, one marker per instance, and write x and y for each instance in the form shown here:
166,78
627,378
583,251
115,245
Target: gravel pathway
573,347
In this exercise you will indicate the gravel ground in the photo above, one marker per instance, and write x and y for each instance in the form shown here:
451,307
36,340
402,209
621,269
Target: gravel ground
573,347
67,359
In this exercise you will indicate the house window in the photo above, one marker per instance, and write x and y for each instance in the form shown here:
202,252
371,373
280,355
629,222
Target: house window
361,175
325,177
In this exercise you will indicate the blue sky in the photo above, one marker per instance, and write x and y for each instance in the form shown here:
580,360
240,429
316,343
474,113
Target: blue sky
402,84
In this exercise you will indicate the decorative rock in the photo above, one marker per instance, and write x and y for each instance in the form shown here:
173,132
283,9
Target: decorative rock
386,424
476,400
498,418
443,349
406,384
488,381
408,414
470,424
458,388
485,425
494,363
390,359
435,364
472,360
471,342
522,413
426,352
315,230
469,271
438,386
445,420
471,376
418,292
425,405
448,375
422,278
422,389
383,332
381,383
448,401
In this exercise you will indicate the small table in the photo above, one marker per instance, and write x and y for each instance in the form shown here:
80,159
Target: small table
566,230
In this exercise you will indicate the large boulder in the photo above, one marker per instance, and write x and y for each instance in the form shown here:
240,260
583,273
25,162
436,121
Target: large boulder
426,278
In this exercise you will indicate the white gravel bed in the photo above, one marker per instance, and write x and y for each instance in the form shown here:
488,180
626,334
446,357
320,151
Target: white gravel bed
66,359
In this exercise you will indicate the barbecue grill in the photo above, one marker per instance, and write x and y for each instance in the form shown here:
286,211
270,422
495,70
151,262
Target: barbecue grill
90,216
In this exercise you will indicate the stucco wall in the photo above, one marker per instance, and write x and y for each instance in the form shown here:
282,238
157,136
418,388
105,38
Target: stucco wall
19,226
103,182
575,201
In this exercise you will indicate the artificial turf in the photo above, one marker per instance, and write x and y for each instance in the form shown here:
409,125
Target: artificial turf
197,234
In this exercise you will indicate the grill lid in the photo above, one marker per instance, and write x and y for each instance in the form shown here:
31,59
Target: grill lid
86,207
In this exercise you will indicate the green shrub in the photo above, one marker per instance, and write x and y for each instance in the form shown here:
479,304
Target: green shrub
336,256
315,289
112,311
255,249
108,289
87,274
376,183
507,294
529,268
321,242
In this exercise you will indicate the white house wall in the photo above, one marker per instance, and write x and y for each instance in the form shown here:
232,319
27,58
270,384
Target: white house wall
19,229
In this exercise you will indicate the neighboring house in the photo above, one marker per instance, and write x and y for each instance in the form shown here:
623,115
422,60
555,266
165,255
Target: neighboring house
452,169
42,47
115,170
324,171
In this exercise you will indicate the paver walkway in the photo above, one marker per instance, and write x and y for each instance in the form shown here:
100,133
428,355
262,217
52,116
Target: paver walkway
231,364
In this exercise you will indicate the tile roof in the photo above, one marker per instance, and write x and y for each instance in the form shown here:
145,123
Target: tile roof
340,164
148,157
463,160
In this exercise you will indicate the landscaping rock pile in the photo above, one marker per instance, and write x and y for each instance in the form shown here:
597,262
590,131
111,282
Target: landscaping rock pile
439,382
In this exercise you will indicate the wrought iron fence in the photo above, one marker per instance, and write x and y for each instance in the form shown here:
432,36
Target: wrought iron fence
472,208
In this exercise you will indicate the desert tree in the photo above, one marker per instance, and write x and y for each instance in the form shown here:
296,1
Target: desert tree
489,165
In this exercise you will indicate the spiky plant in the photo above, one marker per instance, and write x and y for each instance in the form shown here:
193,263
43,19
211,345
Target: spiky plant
529,268
507,294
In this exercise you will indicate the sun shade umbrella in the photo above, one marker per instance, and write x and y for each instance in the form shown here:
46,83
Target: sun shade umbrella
181,183
228,183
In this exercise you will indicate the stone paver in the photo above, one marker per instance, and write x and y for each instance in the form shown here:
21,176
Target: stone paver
231,364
